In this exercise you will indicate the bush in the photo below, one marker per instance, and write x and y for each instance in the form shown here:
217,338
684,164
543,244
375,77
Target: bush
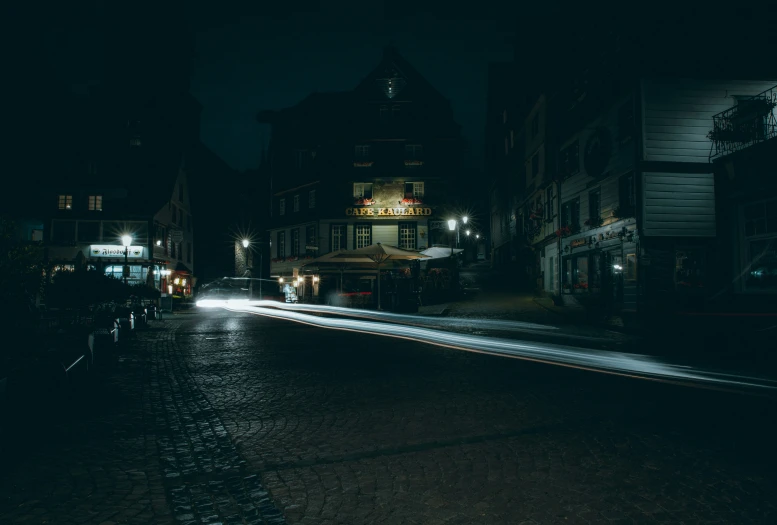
84,288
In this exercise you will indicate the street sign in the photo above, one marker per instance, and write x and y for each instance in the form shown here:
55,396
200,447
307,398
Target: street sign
177,236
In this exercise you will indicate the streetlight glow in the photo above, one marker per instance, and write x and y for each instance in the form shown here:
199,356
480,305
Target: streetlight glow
245,243
126,240
464,219
477,236
451,224
467,232
280,280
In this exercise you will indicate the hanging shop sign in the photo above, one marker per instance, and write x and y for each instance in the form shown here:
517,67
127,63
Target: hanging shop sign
387,212
112,250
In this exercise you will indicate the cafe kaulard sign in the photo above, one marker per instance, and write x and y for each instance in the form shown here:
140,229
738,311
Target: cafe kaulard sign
387,212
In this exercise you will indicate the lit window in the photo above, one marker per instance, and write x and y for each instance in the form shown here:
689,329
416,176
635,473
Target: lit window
312,199
363,235
65,202
414,189
362,190
95,203
296,203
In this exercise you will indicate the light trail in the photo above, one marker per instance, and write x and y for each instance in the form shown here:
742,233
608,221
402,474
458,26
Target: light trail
444,323
617,363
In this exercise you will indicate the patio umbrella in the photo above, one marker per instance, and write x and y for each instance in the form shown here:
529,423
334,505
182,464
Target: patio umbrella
379,253
340,260
438,252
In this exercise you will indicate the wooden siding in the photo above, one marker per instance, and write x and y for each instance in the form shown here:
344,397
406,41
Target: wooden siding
678,115
678,204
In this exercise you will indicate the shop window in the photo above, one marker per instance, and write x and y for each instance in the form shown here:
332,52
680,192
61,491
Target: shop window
294,242
338,237
65,202
761,265
689,269
363,234
362,190
407,235
576,273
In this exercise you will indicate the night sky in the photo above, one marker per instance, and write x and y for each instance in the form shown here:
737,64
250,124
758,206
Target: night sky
247,58
269,62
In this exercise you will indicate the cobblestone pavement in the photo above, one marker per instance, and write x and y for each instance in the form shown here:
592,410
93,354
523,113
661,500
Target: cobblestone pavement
232,418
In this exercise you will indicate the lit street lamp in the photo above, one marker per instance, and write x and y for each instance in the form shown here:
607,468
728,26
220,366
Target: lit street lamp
452,228
126,241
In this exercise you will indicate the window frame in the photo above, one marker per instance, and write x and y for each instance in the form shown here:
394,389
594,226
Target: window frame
94,203
364,186
294,245
64,202
361,151
414,151
311,199
295,204
343,237
356,227
595,214
280,248
414,226
282,206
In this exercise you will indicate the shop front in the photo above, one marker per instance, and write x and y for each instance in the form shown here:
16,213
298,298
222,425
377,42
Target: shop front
599,267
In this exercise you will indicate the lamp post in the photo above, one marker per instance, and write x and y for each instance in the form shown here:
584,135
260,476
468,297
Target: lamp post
246,243
126,241
452,228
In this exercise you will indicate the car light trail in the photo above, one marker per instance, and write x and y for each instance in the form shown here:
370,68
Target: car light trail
629,365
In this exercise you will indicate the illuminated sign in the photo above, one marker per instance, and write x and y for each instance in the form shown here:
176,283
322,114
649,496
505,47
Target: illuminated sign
578,242
113,250
387,212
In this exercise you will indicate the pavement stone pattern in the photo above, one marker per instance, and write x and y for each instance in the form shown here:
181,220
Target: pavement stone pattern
220,417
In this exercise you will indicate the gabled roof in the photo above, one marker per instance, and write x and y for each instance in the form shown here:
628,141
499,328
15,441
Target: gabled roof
394,77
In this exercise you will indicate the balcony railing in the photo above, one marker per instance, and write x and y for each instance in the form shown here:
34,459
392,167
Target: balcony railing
751,121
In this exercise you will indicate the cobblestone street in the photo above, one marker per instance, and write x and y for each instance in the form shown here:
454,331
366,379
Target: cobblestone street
221,417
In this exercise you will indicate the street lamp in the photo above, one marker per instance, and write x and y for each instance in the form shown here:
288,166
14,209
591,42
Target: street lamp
477,236
452,228
467,232
126,241
246,242
464,219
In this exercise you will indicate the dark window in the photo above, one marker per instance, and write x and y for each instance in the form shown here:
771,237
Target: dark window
362,151
188,252
627,198
407,235
311,239
594,206
295,242
338,237
626,121
570,214
282,206
362,235
64,231
296,203
414,190
549,202
281,245
570,159
535,125
413,151
88,231
535,165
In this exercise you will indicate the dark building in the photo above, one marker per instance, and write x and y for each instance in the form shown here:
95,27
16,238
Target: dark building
380,163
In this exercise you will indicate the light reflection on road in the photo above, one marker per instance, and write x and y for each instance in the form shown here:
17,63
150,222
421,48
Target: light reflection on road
631,365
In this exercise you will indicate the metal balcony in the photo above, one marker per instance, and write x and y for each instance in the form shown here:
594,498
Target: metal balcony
751,121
